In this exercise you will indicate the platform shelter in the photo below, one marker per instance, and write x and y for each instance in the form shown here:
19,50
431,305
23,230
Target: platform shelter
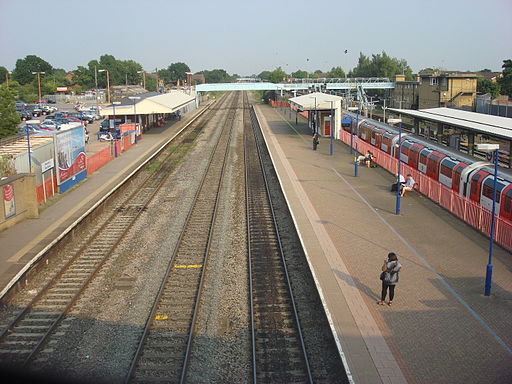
320,106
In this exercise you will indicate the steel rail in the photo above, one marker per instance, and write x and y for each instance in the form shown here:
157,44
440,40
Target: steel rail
69,264
154,307
254,125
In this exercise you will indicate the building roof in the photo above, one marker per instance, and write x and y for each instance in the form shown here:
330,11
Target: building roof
478,122
151,103
315,100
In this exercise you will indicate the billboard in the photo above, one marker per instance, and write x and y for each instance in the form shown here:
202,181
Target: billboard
71,160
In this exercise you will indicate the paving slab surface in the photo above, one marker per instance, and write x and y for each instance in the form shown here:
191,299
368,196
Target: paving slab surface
440,328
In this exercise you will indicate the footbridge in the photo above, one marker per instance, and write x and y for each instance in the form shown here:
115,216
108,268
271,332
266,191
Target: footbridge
302,84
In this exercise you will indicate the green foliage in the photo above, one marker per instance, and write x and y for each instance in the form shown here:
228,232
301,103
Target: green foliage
217,76
178,71
7,167
120,72
506,80
336,72
299,74
9,117
277,75
3,73
381,65
24,67
487,86
265,75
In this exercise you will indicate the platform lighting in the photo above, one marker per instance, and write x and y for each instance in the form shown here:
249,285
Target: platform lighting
39,84
394,121
490,148
332,128
135,113
108,83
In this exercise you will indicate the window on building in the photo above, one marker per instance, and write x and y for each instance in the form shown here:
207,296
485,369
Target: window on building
434,81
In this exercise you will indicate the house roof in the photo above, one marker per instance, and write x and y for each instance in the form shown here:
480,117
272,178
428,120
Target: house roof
151,103
315,100
473,121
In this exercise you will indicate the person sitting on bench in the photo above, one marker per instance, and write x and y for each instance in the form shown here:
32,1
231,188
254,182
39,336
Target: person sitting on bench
368,158
408,186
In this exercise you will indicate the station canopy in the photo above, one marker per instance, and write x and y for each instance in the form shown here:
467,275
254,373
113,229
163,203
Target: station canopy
316,100
151,103
477,122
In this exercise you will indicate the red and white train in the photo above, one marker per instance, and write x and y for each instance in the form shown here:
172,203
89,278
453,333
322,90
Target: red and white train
469,177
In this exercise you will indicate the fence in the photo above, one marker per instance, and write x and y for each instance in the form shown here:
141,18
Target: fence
46,189
465,209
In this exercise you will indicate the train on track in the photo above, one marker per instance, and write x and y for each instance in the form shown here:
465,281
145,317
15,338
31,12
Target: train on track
469,177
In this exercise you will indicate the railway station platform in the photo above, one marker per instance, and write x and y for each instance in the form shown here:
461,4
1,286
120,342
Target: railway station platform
21,244
440,327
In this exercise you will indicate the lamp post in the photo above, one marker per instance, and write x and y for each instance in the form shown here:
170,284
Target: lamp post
143,78
38,84
7,73
113,141
491,148
394,121
108,84
135,113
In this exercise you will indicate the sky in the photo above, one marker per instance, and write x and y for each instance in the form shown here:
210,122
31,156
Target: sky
248,37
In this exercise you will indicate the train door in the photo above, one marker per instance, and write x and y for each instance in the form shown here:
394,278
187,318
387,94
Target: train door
394,145
377,137
488,192
446,173
422,160
465,177
414,155
475,188
457,171
405,151
386,142
433,162
506,205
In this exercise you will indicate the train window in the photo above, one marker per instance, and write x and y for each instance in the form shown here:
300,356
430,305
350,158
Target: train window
508,204
423,159
488,192
447,171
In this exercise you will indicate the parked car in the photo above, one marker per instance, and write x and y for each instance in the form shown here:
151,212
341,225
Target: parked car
105,125
82,116
53,124
24,114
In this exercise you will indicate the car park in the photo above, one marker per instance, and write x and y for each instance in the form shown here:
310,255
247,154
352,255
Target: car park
24,114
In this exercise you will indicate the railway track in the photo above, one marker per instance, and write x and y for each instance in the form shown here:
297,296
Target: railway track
29,329
164,349
278,350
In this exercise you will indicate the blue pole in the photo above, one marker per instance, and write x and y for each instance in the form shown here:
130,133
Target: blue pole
352,136
488,276
397,208
356,163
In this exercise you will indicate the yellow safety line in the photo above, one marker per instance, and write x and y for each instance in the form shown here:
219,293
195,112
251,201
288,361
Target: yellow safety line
188,266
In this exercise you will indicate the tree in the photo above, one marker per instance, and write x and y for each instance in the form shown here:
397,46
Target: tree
506,80
265,75
24,67
299,74
381,65
277,75
3,73
336,72
216,76
487,86
178,71
10,118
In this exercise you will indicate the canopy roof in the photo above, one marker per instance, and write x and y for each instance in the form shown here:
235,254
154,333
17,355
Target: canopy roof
316,100
473,121
151,103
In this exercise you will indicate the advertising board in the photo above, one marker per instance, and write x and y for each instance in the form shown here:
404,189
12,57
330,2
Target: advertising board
71,160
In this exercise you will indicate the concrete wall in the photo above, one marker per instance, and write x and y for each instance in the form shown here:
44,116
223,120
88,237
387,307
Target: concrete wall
24,198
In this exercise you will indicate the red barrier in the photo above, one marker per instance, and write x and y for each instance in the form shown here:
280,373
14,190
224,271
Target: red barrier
48,189
98,160
467,210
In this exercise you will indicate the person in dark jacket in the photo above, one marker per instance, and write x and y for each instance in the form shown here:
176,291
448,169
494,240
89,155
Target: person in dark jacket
389,277
316,140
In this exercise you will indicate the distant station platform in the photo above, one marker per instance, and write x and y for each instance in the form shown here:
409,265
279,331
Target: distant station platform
440,328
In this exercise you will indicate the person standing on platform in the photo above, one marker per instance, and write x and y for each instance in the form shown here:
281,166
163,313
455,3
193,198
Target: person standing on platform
389,277
316,141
